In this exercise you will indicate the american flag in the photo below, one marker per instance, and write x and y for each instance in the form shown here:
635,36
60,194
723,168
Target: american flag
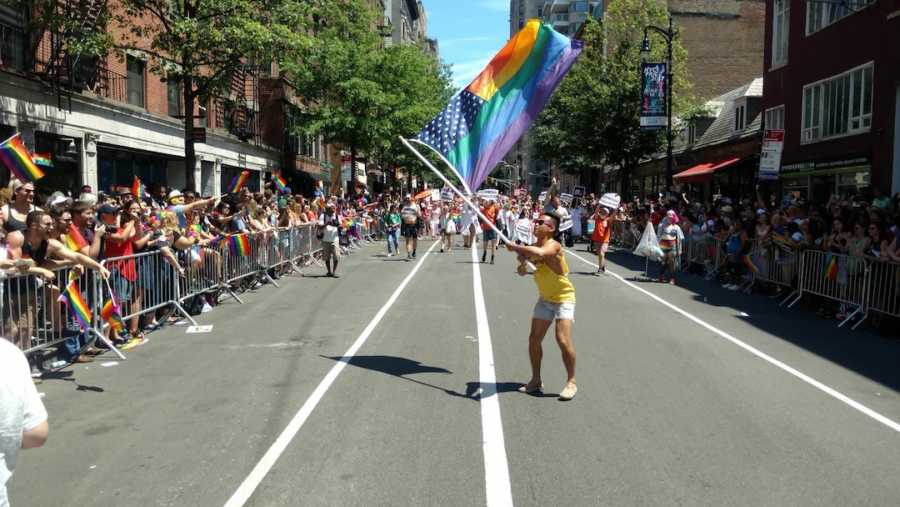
453,123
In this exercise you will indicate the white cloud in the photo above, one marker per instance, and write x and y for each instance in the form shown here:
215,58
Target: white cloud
465,72
495,5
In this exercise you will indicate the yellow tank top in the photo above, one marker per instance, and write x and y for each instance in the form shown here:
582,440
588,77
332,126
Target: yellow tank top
553,287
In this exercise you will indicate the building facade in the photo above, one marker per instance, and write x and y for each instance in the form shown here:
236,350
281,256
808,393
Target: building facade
106,120
833,84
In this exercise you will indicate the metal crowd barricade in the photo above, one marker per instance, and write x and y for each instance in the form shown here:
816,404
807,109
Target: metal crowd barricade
776,264
884,288
848,284
705,251
144,283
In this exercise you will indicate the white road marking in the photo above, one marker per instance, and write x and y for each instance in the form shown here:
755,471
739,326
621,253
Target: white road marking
756,352
497,487
268,460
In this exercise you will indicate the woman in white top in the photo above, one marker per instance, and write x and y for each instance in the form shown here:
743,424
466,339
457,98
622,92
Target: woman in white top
435,221
671,238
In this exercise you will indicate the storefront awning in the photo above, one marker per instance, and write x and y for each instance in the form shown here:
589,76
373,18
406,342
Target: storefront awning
702,173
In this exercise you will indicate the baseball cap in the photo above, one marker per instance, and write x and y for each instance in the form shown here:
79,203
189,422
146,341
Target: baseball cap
175,193
108,209
59,200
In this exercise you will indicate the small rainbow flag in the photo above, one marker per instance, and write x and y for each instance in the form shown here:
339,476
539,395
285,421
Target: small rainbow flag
42,159
238,182
137,189
18,160
749,263
831,271
74,240
239,244
281,184
111,314
77,305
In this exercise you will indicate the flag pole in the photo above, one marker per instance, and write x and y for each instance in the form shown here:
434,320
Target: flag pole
460,194
444,159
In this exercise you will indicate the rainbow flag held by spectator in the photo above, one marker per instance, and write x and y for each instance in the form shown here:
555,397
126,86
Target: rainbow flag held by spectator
749,263
238,182
74,240
42,159
281,184
239,244
112,315
137,189
73,299
831,270
18,160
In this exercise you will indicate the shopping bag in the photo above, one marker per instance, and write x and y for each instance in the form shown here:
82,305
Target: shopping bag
648,246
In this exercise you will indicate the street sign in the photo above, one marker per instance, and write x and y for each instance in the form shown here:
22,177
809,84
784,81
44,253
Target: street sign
770,158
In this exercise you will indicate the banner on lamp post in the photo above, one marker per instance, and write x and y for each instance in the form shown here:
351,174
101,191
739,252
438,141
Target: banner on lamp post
770,158
654,84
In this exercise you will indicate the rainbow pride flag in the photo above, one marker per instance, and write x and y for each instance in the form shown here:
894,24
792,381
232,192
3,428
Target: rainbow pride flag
42,159
18,160
137,189
77,305
239,244
74,240
281,184
831,270
238,182
111,314
484,120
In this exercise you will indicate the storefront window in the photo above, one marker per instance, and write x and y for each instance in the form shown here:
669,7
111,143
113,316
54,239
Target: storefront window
119,167
852,184
228,174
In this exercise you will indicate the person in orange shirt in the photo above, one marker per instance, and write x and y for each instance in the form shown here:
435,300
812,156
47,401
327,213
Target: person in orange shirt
602,229
489,235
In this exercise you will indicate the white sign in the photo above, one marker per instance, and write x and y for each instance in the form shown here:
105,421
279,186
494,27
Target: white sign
446,194
610,201
489,194
435,195
346,173
543,196
770,159
566,200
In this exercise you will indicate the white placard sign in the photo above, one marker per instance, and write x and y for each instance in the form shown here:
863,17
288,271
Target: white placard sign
489,194
446,194
611,201
523,232
543,196
435,194
566,200
770,158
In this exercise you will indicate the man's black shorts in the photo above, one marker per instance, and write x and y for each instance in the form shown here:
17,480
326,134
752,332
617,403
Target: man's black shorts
488,235
409,230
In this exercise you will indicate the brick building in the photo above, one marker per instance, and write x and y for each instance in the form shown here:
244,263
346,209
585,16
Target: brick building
106,120
833,83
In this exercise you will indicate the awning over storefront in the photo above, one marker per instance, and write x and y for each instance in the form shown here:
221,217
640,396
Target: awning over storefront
702,173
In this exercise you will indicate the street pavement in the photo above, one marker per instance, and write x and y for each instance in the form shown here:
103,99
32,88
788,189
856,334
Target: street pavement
719,399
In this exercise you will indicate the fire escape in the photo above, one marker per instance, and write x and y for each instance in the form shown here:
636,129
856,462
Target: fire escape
65,71
238,113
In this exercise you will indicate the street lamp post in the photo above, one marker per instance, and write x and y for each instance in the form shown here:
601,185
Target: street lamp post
669,36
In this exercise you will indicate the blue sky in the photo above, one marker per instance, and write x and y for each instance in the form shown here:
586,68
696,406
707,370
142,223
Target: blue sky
469,33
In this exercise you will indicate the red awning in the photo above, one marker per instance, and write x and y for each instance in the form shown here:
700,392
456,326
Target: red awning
702,173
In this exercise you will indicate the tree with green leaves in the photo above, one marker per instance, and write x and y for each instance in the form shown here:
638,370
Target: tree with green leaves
593,120
202,44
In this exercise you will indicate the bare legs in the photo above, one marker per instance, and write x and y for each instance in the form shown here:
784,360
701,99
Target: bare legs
536,353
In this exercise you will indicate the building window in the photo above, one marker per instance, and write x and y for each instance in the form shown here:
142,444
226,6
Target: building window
12,47
775,118
173,93
740,117
135,81
780,24
838,106
820,14
692,133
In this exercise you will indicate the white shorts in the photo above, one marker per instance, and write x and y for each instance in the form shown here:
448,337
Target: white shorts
545,310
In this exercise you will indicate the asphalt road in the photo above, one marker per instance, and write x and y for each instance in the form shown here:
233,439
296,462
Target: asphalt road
719,399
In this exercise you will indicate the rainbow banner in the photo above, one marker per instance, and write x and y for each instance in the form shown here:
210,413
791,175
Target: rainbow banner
831,271
111,314
18,160
74,240
42,159
73,299
239,245
484,120
137,189
281,184
238,182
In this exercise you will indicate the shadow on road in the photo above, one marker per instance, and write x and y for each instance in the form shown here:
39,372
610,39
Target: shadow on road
400,367
861,351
